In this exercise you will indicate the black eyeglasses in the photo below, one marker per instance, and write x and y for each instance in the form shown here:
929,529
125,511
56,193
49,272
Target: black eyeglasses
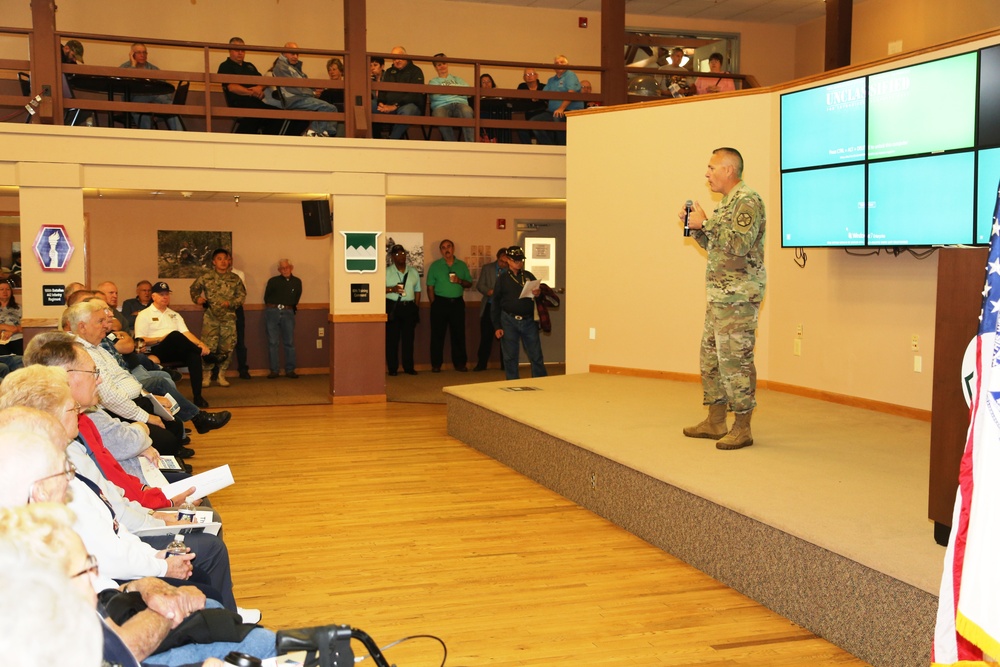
96,372
90,567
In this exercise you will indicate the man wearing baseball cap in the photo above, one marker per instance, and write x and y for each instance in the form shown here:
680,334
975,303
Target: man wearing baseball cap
168,338
514,317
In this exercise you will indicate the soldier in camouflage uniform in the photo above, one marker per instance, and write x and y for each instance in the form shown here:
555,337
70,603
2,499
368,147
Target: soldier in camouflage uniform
220,292
735,279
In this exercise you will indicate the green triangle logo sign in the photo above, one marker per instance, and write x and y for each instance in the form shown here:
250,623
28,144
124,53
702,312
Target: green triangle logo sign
361,252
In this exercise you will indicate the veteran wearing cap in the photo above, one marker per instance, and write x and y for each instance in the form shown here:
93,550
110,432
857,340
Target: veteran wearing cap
167,337
514,317
402,311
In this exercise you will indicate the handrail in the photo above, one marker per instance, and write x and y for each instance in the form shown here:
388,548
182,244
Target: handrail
209,81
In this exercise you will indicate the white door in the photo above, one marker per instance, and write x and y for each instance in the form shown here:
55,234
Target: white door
544,243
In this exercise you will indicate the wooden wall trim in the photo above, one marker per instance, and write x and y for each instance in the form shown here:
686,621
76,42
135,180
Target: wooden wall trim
807,392
362,317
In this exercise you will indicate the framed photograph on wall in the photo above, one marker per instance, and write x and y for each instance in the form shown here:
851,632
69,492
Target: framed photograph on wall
414,244
188,254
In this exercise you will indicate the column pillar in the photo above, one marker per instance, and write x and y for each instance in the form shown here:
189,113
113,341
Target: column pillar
49,194
357,343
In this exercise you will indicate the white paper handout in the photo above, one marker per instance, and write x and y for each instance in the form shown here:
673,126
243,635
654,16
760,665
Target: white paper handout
205,483
530,287
202,524
162,412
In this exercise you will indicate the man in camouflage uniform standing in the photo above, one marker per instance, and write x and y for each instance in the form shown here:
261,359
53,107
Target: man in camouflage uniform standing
220,292
735,279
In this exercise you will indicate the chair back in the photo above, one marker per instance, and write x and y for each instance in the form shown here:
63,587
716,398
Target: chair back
24,79
181,92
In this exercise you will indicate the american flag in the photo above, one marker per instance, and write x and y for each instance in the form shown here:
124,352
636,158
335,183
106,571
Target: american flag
968,620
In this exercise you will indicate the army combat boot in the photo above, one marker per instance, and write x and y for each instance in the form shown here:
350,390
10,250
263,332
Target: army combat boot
740,435
714,425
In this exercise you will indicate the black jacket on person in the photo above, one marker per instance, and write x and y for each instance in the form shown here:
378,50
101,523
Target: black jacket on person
408,74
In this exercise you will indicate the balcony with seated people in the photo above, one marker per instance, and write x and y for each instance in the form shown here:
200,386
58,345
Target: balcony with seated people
503,109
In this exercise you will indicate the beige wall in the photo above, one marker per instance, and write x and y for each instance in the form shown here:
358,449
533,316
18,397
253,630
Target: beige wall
918,24
123,242
646,298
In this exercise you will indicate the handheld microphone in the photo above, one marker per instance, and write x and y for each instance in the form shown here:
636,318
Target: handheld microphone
688,207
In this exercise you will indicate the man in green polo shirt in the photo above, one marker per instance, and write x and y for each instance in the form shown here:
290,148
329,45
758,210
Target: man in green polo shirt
447,279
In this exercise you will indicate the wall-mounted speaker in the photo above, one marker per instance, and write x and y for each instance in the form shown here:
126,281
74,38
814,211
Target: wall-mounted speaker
317,218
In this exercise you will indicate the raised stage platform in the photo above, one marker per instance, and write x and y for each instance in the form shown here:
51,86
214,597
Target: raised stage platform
823,520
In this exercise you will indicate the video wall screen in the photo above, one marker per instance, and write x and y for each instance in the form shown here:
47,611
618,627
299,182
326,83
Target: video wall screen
923,145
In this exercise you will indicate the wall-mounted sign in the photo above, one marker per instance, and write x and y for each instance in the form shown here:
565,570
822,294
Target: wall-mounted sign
360,292
361,251
53,248
53,295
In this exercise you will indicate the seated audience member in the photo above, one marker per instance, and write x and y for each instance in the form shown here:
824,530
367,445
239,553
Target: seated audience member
70,288
126,442
334,96
138,58
450,106
143,299
287,64
563,81
45,617
586,87
246,96
401,103
530,108
108,292
706,85
493,107
11,338
169,340
243,96
41,535
105,519
120,392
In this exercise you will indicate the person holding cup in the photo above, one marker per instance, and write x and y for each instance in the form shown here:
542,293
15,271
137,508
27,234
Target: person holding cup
447,279
402,310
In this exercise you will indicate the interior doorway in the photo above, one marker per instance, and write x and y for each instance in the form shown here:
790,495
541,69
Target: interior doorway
544,243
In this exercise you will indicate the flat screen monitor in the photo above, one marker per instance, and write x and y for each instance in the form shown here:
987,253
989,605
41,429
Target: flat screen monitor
922,201
823,126
987,193
926,108
823,207
989,97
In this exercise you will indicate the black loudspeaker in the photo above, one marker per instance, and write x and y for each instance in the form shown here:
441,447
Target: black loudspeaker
317,218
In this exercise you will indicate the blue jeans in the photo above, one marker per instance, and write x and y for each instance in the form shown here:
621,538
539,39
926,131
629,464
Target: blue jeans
259,643
314,104
161,384
280,329
145,121
454,110
398,130
514,333
547,138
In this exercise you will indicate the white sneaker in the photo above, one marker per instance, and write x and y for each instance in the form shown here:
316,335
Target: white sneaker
309,133
206,381
251,616
223,382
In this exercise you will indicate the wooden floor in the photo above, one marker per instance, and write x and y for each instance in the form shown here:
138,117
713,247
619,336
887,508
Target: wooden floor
372,516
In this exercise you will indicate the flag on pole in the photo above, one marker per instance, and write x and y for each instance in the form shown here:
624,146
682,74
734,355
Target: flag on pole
968,619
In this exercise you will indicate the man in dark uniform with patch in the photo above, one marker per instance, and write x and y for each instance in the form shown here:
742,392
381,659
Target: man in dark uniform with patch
735,280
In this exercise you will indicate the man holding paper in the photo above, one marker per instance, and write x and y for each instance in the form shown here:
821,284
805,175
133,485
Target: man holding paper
514,316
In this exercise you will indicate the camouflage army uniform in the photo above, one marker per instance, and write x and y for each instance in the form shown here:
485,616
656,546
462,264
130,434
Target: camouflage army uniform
735,279
219,323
